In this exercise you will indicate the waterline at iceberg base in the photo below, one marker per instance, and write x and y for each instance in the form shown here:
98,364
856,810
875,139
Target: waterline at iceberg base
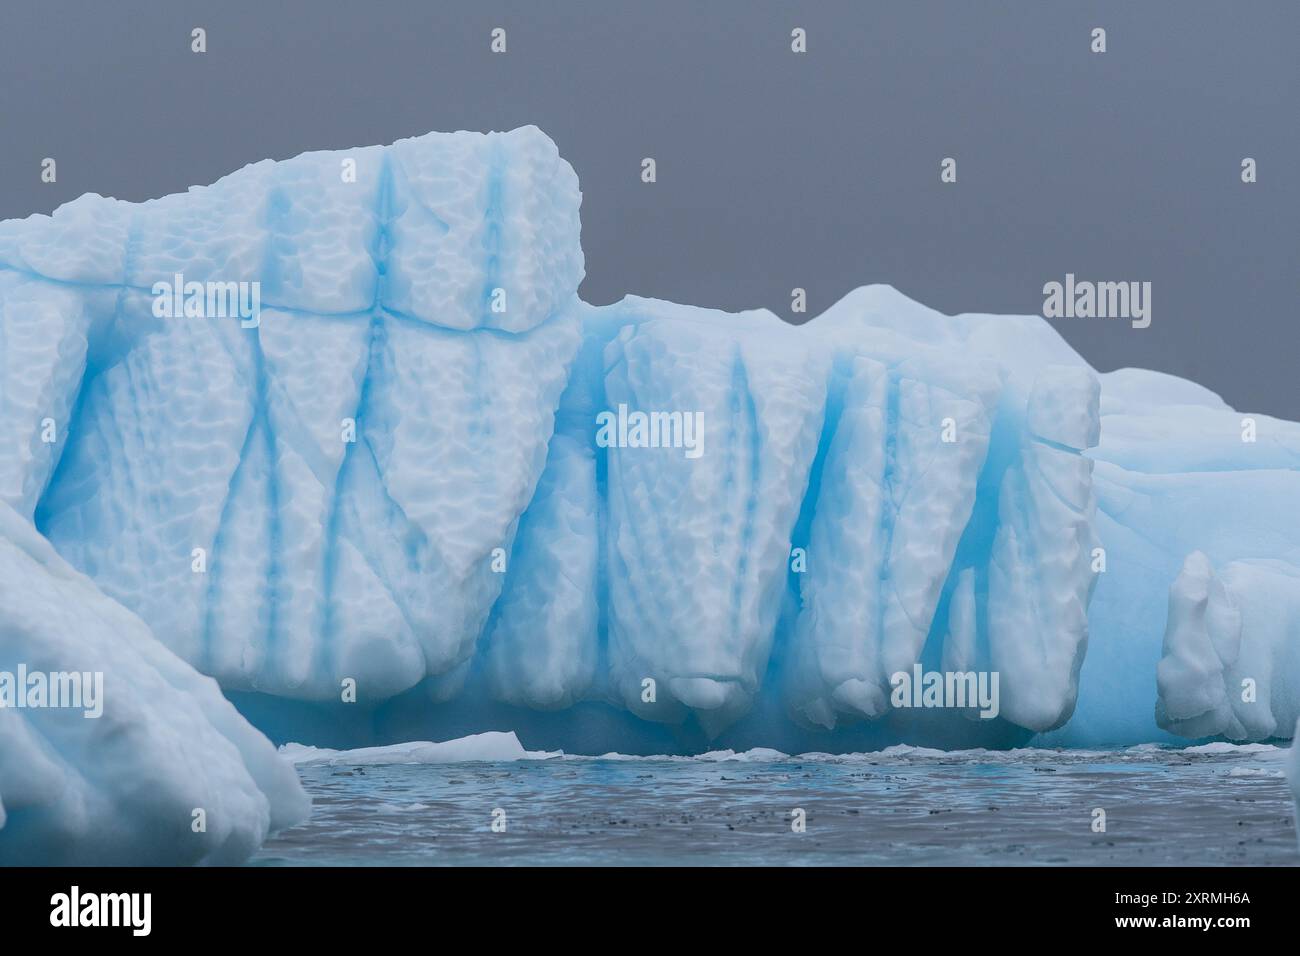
392,486
419,804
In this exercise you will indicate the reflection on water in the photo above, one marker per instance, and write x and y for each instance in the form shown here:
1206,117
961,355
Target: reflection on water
902,806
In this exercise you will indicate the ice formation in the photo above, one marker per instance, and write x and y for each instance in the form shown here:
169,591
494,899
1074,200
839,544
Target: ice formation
1177,472
118,778
1230,650
493,746
393,480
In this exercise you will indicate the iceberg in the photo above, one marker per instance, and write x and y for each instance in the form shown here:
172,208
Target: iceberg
385,507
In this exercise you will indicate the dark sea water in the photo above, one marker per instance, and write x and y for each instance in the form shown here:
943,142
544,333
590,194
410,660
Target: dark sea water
1210,806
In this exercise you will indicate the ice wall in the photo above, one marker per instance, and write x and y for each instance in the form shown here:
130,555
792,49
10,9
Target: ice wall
394,479
1177,471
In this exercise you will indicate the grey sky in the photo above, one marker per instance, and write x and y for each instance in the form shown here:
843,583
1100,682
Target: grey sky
775,170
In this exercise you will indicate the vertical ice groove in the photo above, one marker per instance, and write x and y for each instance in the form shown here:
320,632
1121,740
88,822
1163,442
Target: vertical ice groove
329,555
379,247
492,217
834,650
77,328
206,660
751,428
633,547
540,648
44,357
279,650
888,490
1041,575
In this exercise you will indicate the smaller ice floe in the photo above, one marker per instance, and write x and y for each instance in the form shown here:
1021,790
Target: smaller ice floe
756,755
1222,748
492,746
401,807
1254,772
768,755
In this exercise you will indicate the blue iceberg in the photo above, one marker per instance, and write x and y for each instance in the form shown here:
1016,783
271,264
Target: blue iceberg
340,434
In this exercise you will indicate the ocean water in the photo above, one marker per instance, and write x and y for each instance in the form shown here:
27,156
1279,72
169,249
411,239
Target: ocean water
1209,806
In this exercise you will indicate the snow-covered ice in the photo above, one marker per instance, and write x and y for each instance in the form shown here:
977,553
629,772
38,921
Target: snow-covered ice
493,746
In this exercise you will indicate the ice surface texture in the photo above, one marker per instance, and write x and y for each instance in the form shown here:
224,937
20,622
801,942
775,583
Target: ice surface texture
881,487
1231,654
123,786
